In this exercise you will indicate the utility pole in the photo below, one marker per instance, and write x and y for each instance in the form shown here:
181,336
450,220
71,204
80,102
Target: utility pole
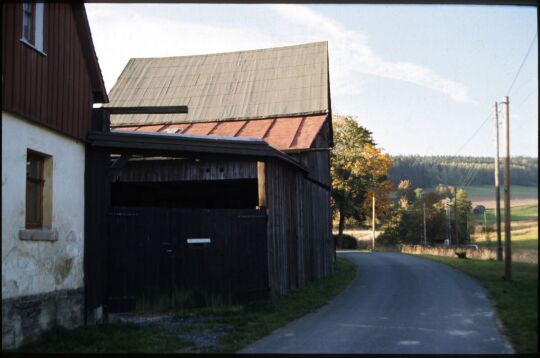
425,235
449,226
507,239
373,225
456,216
497,188
485,226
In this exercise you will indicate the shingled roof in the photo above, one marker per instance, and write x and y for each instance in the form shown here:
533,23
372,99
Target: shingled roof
285,134
277,82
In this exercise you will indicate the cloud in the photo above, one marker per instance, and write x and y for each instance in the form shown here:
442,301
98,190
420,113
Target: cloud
120,32
361,59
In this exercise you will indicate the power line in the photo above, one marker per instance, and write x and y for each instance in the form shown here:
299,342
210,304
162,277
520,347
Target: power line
522,63
473,135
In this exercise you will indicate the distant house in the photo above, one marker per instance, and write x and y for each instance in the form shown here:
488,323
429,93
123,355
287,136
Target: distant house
50,81
232,198
479,209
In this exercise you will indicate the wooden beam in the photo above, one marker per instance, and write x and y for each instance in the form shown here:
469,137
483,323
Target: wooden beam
147,110
120,162
261,180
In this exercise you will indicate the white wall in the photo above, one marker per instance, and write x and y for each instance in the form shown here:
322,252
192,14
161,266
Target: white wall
31,267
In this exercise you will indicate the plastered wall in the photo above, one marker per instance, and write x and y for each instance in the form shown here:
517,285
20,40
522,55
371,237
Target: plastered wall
36,266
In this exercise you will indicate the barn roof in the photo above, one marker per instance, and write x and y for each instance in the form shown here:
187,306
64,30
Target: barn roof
267,83
281,133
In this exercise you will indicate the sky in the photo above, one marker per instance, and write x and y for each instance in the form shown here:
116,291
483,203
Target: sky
422,78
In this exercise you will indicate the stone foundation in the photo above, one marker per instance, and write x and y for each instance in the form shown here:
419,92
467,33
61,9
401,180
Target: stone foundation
25,318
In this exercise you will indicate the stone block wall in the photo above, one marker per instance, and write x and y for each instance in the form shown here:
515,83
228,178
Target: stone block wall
25,318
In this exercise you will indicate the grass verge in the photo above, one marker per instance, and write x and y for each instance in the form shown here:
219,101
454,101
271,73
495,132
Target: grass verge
231,327
516,302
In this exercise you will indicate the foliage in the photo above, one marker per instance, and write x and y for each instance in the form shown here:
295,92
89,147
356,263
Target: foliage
428,171
405,225
359,170
516,301
348,242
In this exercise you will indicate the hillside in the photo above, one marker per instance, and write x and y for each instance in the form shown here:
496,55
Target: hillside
428,171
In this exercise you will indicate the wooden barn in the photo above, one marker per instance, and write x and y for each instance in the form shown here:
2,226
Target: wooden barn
227,202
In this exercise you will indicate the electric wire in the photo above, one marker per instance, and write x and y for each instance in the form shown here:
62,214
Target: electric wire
522,63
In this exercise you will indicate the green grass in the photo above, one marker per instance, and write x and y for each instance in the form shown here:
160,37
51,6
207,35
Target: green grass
241,324
107,338
524,226
516,191
517,213
516,302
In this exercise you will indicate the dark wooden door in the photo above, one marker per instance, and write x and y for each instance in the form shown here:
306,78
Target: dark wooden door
152,265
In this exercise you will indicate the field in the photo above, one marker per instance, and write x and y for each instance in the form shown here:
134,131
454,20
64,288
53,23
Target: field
523,212
519,195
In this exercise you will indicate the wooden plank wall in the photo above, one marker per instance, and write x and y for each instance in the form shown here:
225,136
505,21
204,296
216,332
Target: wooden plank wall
97,203
318,164
144,243
300,246
54,89
185,170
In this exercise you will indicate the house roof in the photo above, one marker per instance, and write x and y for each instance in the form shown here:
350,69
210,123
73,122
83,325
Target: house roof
83,28
290,133
286,81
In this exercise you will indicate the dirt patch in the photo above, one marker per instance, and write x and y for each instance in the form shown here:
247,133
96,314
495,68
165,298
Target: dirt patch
198,332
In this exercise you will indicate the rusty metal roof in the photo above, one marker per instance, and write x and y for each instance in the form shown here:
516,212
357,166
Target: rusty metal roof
280,82
283,133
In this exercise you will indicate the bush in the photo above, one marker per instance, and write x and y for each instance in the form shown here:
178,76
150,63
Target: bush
349,242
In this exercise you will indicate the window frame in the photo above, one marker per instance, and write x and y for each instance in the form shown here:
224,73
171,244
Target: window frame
32,14
37,24
29,224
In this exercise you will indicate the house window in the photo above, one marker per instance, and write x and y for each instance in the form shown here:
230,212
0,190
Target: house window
39,168
34,190
32,31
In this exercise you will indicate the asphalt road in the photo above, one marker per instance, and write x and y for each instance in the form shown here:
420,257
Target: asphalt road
397,304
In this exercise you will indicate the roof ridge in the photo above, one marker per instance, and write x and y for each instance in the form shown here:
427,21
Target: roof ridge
307,44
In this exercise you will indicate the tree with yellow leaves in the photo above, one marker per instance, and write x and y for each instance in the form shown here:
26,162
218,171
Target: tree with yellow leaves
359,170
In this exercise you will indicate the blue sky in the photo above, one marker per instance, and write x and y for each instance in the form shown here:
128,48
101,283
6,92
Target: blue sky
422,78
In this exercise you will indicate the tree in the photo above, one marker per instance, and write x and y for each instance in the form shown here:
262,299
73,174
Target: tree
358,169
405,193
405,225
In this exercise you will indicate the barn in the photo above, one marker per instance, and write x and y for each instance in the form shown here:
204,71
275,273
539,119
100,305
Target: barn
226,201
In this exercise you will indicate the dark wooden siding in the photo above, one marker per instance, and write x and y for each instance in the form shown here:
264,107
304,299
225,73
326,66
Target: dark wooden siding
54,89
152,263
318,164
300,246
185,170
97,193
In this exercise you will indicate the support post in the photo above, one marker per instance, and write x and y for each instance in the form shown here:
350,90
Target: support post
507,239
497,188
261,182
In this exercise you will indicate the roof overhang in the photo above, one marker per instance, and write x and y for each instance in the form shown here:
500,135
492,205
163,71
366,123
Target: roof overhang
89,52
189,145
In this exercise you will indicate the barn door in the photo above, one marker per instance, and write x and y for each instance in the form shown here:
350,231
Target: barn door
152,265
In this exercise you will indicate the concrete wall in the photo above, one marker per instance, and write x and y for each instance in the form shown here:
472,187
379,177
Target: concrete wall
38,262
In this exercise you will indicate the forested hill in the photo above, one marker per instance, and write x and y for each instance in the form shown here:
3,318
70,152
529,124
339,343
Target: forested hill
428,171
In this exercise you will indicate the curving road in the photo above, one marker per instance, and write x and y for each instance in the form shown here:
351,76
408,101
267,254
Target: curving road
397,304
